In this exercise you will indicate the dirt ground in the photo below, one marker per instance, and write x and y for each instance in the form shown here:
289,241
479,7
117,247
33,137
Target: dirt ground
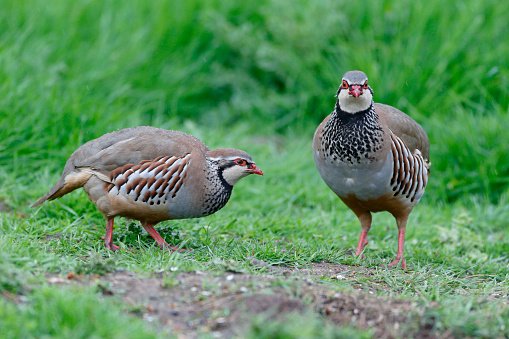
190,303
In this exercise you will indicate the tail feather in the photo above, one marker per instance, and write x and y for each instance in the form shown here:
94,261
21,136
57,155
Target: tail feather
65,185
52,194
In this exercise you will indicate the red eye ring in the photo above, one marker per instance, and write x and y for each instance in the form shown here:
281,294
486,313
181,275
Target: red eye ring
344,84
240,162
365,86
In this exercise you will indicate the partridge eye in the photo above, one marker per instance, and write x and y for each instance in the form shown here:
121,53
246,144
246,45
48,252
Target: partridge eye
365,86
344,85
240,162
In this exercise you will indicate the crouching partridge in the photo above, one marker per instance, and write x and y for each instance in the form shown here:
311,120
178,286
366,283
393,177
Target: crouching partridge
151,175
373,156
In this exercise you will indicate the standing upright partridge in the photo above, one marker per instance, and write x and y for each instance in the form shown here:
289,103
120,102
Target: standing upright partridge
373,156
151,175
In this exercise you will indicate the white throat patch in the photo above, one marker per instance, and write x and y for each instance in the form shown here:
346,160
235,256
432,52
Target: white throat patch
234,174
351,104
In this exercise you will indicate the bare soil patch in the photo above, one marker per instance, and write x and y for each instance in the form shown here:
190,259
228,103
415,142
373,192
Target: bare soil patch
221,303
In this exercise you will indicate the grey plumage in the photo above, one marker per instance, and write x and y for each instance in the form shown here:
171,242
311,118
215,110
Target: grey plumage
373,156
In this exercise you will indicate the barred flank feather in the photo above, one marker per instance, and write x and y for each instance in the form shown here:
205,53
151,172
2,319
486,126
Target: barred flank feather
410,173
151,181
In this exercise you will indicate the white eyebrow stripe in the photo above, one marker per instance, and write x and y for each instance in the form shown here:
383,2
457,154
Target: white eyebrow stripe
228,158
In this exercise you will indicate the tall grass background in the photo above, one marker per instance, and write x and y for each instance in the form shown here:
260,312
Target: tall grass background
72,71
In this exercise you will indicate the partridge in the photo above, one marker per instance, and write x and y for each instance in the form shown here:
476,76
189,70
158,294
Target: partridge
372,156
151,175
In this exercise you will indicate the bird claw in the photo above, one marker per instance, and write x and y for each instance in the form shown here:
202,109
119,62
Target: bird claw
363,241
175,249
111,247
359,254
396,262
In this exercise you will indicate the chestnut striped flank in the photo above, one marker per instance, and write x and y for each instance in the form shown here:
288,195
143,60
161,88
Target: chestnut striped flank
151,181
410,173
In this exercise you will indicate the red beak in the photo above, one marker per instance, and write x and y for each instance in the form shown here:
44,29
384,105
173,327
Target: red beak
254,170
356,91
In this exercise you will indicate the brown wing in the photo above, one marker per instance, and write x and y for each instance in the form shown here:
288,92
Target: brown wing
412,134
119,148
133,145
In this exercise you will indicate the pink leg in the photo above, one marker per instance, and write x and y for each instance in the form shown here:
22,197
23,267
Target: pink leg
401,221
399,255
363,241
108,239
365,220
160,241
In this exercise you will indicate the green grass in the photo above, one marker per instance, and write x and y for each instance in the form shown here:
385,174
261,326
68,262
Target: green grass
52,312
296,326
259,77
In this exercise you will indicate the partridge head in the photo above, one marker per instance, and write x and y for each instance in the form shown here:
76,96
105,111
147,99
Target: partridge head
354,95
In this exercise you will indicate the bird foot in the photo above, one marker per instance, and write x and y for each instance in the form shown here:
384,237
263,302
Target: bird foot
360,254
363,241
111,247
176,249
396,262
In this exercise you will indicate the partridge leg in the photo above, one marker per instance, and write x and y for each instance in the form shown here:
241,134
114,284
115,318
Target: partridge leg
401,221
365,220
108,239
160,241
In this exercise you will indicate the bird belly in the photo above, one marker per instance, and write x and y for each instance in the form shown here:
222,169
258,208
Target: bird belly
123,206
183,206
366,181
112,203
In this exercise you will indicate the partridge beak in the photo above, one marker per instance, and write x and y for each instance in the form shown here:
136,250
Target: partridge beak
356,91
252,169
